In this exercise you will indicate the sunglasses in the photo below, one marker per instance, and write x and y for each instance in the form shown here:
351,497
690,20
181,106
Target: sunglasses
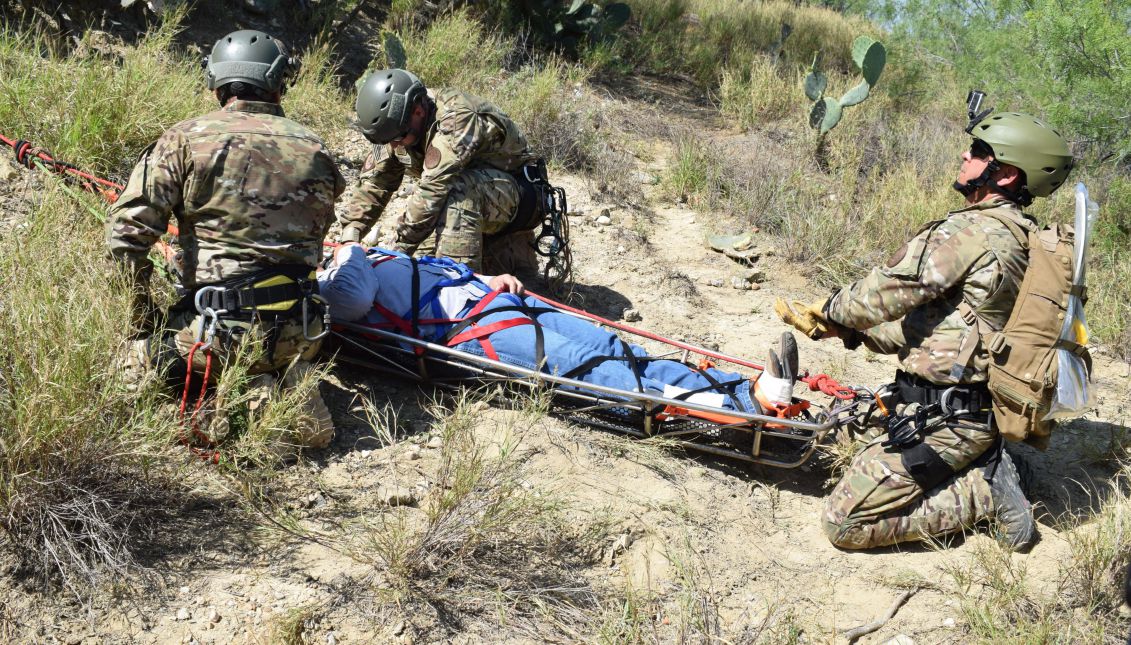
981,150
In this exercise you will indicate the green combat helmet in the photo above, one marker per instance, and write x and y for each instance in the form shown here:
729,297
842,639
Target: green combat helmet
1030,144
248,56
384,104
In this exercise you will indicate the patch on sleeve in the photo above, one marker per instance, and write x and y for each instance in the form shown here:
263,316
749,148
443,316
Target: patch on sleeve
431,157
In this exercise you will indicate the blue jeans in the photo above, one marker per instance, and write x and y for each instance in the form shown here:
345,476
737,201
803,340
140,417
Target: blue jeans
570,342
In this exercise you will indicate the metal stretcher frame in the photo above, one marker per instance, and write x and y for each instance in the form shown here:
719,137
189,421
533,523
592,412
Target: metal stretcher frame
602,406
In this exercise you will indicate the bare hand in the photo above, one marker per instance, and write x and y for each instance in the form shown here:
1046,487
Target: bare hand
507,283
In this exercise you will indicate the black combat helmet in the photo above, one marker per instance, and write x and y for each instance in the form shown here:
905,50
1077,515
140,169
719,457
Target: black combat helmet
384,104
248,56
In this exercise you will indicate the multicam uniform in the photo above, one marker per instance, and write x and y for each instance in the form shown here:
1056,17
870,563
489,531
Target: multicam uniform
465,163
910,307
251,191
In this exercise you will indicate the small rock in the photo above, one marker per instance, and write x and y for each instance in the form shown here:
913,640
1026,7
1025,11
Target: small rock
399,628
185,589
948,622
623,542
604,220
754,286
331,639
712,282
183,614
213,615
435,442
396,496
412,454
621,249
646,178
631,315
754,276
1125,611
740,284
899,639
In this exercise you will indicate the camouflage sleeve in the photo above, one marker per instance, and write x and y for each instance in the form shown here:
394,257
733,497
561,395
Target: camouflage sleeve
152,195
885,338
936,260
459,136
381,175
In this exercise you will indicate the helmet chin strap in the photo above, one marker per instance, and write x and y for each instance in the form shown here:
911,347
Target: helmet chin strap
970,187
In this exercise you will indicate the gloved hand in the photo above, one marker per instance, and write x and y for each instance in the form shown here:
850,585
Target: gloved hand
808,319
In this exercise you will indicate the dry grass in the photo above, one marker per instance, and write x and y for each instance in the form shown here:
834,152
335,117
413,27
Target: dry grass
483,542
84,476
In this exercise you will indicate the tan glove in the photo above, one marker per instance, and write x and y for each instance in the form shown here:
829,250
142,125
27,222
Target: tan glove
807,319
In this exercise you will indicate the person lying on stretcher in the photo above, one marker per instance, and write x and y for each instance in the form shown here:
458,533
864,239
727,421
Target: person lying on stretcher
488,316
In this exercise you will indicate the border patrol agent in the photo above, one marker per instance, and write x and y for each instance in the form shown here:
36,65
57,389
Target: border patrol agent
253,196
941,469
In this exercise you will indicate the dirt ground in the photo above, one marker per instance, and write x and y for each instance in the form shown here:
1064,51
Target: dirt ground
750,535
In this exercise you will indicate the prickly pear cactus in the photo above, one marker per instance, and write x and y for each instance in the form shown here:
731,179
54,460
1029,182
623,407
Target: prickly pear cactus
870,57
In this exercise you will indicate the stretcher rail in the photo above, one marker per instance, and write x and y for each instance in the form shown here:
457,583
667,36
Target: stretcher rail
638,414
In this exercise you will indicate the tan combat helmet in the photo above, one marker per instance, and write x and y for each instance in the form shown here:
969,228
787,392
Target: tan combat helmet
1030,144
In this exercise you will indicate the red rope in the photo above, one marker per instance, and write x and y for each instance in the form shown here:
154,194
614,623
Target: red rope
26,154
191,422
826,385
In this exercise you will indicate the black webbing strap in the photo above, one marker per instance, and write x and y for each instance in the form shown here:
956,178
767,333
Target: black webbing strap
632,359
913,389
415,297
531,314
234,301
723,387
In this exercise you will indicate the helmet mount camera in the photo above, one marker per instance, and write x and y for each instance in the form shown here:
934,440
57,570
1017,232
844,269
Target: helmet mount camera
974,111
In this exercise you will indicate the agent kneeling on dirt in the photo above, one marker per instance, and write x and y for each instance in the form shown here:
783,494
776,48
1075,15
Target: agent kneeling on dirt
253,195
488,316
941,467
476,195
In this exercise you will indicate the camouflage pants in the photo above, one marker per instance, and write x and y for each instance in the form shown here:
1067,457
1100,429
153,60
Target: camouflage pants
291,354
877,503
481,202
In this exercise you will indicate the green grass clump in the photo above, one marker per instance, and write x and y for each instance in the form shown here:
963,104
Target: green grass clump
97,110
317,99
702,37
456,51
85,478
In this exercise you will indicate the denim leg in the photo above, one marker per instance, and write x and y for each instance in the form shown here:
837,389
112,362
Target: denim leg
570,342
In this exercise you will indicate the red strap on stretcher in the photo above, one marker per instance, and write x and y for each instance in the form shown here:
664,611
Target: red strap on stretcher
475,332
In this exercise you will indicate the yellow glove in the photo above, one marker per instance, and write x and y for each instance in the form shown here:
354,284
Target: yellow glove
807,319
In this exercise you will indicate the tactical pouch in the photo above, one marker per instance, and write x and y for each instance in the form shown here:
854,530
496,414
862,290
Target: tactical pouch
924,465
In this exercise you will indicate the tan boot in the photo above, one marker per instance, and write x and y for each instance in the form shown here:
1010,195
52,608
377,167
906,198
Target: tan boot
316,427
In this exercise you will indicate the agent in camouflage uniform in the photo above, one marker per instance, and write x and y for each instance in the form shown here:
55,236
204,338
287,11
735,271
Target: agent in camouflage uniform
465,154
253,195
937,472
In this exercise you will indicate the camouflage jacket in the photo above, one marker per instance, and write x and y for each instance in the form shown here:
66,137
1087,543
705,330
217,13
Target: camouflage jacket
466,133
249,189
909,307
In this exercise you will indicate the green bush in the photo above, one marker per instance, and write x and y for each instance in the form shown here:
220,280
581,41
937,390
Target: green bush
702,37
